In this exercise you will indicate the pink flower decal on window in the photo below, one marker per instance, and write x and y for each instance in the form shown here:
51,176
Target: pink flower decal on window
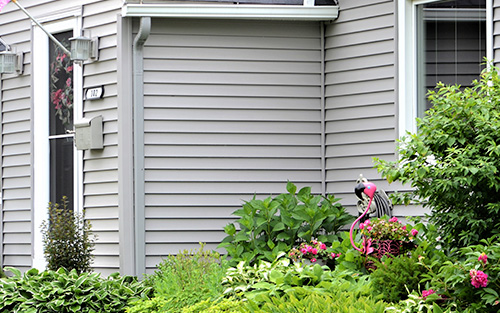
478,278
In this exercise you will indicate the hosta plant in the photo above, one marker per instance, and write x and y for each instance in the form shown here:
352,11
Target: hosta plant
65,291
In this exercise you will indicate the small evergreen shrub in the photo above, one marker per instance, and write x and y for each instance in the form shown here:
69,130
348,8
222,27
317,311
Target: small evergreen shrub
67,239
65,291
395,276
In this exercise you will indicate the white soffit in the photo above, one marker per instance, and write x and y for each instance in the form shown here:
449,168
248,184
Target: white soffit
249,12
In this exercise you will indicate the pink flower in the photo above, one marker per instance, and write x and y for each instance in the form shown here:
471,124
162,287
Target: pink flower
303,250
322,246
414,232
404,227
483,258
426,293
361,226
309,248
333,255
369,228
313,260
393,219
68,82
314,251
69,69
478,278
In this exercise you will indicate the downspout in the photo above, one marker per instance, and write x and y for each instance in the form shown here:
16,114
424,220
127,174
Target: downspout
323,110
138,115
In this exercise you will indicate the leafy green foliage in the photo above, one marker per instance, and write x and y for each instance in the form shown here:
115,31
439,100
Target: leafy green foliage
451,277
307,301
183,280
67,291
394,276
218,306
67,239
272,225
416,304
454,158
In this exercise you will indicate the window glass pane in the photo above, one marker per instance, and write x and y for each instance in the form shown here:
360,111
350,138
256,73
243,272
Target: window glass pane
451,44
61,169
61,86
61,120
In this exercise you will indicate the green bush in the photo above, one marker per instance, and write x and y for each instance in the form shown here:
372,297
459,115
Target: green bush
457,279
65,291
67,239
453,160
270,226
183,280
395,276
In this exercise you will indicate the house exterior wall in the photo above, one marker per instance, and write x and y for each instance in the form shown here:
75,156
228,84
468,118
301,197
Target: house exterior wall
232,110
361,94
100,181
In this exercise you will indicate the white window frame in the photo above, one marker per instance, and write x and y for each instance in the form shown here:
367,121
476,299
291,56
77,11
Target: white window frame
41,173
407,59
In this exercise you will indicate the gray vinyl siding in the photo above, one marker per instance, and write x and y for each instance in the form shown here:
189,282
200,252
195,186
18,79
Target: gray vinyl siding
232,110
101,166
16,227
360,94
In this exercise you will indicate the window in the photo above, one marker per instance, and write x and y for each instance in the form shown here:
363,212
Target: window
440,41
57,102
61,120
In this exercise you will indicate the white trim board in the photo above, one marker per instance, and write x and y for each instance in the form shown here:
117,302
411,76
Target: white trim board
249,12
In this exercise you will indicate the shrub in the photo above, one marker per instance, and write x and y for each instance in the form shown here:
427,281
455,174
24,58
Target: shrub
67,291
67,239
270,226
394,277
453,160
470,280
183,280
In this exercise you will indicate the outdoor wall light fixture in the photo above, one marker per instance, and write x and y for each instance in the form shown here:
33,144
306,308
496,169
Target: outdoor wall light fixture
11,62
84,48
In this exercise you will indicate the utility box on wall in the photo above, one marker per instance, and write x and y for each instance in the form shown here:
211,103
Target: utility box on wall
88,133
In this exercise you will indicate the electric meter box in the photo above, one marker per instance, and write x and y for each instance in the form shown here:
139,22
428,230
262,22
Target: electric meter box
88,133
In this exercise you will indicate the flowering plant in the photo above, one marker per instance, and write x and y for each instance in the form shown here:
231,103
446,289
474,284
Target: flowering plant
384,229
61,87
312,251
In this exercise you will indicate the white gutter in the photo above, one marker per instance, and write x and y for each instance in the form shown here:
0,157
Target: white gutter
241,11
